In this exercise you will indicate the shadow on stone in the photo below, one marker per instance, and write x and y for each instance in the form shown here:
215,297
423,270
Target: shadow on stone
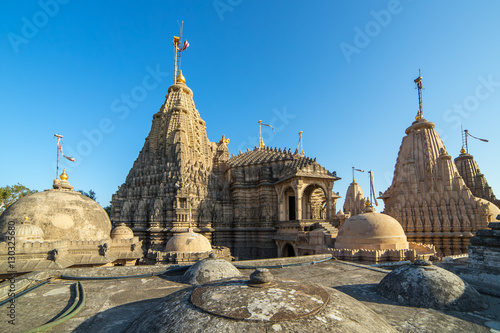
365,292
118,318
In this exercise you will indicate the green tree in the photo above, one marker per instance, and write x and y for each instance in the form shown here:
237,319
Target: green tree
10,194
90,194
107,209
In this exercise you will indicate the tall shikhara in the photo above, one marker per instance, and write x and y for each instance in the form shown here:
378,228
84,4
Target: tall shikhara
166,191
428,196
473,177
354,202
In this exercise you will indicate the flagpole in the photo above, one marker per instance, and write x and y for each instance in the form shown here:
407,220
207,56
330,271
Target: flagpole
261,142
371,188
300,142
57,164
176,42
58,137
180,41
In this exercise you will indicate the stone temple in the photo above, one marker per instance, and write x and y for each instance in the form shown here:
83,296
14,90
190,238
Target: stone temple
181,180
429,196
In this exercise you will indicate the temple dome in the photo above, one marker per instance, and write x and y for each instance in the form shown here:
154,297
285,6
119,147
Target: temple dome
122,232
371,231
188,242
424,285
60,214
210,269
27,231
262,304
492,211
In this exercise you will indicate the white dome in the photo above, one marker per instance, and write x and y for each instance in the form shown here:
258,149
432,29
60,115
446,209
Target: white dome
61,215
371,231
122,232
188,242
26,231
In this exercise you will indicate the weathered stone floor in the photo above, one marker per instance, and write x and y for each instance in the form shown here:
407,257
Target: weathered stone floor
111,305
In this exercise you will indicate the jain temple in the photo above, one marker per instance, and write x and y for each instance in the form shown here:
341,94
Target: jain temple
203,240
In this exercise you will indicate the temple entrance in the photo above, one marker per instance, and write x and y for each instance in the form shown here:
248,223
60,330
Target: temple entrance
291,208
314,203
288,250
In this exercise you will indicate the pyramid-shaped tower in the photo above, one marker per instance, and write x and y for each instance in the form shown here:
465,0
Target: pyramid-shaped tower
166,190
428,196
474,179
354,200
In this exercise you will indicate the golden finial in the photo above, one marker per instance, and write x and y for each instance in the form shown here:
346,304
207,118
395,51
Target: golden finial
64,175
224,140
368,203
261,142
462,151
180,77
26,218
419,115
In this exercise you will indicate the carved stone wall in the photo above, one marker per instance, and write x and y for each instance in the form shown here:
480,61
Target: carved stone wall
172,184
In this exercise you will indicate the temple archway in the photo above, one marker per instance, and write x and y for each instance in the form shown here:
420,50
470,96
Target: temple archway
314,203
288,250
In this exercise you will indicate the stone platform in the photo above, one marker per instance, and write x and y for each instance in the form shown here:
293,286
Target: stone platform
111,305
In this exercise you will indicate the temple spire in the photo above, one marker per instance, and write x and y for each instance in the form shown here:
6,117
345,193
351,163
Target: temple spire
418,82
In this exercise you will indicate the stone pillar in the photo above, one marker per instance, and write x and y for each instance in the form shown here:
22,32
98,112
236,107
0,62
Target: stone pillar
298,200
329,213
281,205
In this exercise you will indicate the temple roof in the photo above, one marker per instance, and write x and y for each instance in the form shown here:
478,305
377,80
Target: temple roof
299,165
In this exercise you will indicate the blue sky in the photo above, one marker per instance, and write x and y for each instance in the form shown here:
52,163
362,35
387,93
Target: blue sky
340,71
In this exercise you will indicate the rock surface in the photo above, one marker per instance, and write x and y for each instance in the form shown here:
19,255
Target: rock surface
424,285
208,270
271,311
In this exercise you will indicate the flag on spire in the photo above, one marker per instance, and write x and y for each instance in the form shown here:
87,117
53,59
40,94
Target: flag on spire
72,159
185,45
269,126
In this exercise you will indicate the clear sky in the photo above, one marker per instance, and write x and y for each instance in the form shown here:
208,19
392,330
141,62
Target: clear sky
341,71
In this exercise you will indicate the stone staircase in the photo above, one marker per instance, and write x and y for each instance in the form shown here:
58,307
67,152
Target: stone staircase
329,229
